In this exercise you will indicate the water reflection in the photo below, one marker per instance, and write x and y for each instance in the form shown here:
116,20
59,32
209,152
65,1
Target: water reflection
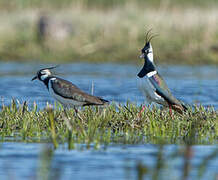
41,161
186,162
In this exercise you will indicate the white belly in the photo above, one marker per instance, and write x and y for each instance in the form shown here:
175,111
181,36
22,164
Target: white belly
148,91
65,102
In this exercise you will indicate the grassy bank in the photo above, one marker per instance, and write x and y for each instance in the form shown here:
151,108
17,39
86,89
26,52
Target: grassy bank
94,126
187,34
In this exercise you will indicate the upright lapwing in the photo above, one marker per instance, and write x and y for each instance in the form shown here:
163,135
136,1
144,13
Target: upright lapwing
152,84
65,92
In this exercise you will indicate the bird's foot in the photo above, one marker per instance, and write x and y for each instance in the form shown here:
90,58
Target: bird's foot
140,113
170,111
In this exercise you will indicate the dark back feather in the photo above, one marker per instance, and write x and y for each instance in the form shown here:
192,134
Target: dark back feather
68,90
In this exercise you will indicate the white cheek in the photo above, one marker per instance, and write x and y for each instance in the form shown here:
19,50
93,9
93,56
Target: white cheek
43,77
150,56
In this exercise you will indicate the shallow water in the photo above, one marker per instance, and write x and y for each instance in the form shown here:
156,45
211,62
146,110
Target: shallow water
26,161
114,82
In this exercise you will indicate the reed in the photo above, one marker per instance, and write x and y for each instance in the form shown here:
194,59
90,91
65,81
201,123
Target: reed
52,126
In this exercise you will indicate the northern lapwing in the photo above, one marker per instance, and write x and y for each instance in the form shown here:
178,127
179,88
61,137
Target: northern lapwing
152,84
68,94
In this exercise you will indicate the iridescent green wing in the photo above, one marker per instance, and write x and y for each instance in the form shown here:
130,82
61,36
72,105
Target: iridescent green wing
162,89
161,83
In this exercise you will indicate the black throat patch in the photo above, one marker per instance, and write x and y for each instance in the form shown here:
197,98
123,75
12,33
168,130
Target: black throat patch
46,81
148,67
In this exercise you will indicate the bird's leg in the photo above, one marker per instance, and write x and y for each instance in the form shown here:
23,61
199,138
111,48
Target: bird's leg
65,113
140,113
78,114
76,111
143,108
170,110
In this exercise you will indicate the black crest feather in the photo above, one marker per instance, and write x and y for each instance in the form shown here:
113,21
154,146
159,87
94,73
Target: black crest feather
149,36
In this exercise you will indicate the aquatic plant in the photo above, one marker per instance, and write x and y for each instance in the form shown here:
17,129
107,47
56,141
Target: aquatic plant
102,126
97,128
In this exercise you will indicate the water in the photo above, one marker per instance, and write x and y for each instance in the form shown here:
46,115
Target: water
193,85
25,161
115,83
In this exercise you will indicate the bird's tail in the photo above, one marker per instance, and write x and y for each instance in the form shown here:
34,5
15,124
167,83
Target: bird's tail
104,102
185,106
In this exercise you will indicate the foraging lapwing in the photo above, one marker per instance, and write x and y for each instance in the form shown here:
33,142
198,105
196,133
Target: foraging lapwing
152,84
68,94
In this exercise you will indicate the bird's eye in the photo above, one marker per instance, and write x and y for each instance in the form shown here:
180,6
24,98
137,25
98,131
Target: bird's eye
145,51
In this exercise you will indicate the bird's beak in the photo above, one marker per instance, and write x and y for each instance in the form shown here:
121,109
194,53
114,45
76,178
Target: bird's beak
34,78
142,55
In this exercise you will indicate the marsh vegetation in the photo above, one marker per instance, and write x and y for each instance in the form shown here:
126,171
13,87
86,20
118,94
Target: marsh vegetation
108,125
146,146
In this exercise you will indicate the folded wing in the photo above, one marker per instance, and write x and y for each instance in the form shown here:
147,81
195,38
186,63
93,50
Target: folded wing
68,90
163,91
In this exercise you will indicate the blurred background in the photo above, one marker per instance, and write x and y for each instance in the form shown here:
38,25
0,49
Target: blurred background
108,30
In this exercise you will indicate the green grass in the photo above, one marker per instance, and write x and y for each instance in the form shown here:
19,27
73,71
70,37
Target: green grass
96,128
102,126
